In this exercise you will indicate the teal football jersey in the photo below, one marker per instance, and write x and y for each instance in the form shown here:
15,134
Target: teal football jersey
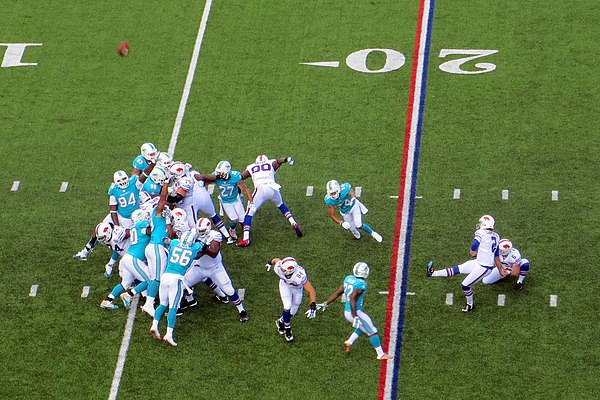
139,240
180,258
345,202
159,228
151,188
228,189
128,200
140,163
352,283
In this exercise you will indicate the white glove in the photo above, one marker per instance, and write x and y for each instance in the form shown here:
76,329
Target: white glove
356,323
345,225
310,314
322,306
290,160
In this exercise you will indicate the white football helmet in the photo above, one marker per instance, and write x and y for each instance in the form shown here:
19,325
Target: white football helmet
288,266
139,216
188,238
104,232
360,270
121,179
179,216
505,247
223,168
261,159
486,222
149,152
177,169
159,176
203,228
333,189
164,160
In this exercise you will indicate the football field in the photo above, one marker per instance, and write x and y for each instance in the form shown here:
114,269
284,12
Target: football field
439,112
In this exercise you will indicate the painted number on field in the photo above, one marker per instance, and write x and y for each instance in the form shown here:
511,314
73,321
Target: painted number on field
394,60
14,53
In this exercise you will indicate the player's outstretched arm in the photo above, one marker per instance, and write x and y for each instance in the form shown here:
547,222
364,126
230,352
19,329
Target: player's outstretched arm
205,178
245,190
334,296
331,210
144,174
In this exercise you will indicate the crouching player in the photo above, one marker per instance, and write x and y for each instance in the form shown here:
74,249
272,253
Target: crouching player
354,289
512,262
292,283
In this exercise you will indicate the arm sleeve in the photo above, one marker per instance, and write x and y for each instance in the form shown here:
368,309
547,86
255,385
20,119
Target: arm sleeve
475,246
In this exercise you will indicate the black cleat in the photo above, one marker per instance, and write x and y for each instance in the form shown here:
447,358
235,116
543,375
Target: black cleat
430,269
468,308
297,229
280,326
289,335
519,285
222,299
244,316
185,303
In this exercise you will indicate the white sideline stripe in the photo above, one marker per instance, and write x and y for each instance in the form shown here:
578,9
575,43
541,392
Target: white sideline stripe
331,64
15,186
555,195
456,194
33,290
114,389
553,300
501,300
309,191
85,292
64,186
210,189
190,78
505,194
358,191
241,293
449,299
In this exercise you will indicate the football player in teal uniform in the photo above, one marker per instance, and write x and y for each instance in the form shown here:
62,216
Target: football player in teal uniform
354,289
181,254
351,209
148,156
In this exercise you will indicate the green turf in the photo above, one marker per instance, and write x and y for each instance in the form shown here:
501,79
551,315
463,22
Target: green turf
529,127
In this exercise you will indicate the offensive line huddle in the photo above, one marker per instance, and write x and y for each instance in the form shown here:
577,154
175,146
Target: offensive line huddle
165,248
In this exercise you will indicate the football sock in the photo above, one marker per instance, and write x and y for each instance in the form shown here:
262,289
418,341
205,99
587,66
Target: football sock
160,310
287,213
117,290
355,335
367,228
286,317
171,317
447,272
237,301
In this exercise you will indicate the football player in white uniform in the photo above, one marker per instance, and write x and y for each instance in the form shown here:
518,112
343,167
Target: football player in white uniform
485,249
263,172
293,281
117,239
513,264
210,265
190,195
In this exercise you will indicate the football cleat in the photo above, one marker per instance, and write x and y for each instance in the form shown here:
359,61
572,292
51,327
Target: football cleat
233,233
148,309
280,326
289,335
356,233
519,285
169,340
108,305
468,308
244,316
222,299
243,243
430,268
82,255
185,303
347,347
155,334
126,297
297,229
385,357
230,240
377,236
108,270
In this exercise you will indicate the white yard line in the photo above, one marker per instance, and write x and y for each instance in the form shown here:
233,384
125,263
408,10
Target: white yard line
85,292
456,194
114,390
553,300
241,293
64,186
309,191
505,194
190,78
501,300
33,290
555,195
15,186
449,299
358,191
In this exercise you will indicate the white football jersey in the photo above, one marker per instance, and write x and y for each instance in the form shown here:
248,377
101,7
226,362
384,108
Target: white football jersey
262,174
488,246
118,242
512,258
207,261
295,281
